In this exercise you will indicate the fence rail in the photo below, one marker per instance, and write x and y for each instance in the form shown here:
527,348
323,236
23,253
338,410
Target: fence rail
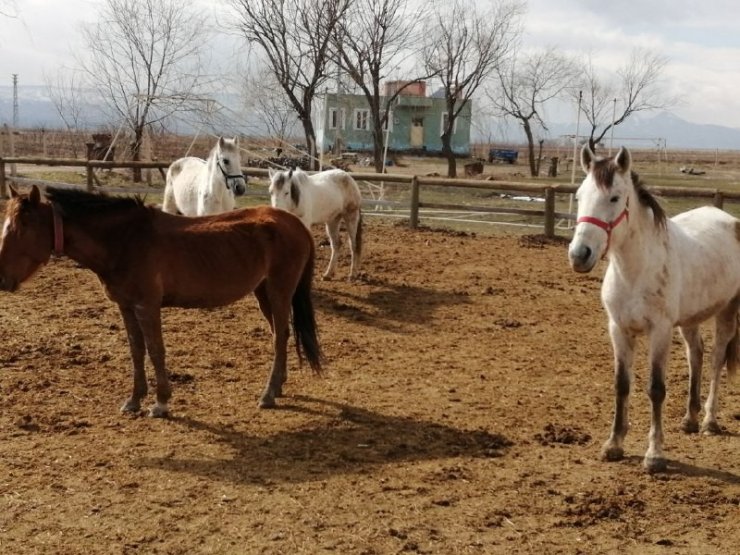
416,183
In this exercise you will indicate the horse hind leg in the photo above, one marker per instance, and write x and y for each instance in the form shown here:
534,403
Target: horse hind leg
695,356
725,352
150,322
277,314
353,221
332,230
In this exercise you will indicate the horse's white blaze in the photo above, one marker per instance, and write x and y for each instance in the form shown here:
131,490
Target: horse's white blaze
197,187
6,229
659,277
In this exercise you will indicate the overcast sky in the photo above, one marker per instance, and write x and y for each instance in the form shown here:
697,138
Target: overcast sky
700,38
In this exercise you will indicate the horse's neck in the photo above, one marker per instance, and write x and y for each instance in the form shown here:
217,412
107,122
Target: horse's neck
643,245
88,241
216,179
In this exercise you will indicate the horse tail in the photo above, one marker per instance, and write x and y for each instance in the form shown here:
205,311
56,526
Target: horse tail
304,320
731,353
358,236
169,204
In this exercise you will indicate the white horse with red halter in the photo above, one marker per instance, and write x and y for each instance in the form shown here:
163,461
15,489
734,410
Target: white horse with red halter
197,187
662,273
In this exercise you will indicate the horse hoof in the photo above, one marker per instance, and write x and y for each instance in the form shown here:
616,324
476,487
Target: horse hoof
711,428
159,411
267,403
131,407
655,464
325,278
689,426
611,453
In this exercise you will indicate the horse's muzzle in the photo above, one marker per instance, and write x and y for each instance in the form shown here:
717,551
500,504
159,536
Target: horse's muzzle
7,284
582,258
240,187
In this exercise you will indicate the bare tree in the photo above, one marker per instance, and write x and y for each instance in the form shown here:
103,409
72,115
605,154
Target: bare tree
9,8
295,37
463,44
375,39
67,94
524,85
272,108
635,89
145,61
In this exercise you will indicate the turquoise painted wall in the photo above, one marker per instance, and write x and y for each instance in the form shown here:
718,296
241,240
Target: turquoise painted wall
428,110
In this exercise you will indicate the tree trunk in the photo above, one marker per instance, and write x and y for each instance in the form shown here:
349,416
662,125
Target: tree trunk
449,154
136,151
530,148
378,144
310,135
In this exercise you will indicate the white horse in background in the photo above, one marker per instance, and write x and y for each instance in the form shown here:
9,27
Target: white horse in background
197,187
662,273
327,197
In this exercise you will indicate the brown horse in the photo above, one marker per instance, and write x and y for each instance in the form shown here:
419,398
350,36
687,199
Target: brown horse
147,259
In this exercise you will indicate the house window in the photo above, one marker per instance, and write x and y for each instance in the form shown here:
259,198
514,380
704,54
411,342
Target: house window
336,118
443,124
362,120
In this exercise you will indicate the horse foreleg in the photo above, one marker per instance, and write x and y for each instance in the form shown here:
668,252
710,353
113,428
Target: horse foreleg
280,333
138,349
695,356
150,321
660,344
724,333
332,230
624,348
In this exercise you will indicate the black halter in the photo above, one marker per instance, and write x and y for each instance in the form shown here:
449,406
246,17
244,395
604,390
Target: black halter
227,176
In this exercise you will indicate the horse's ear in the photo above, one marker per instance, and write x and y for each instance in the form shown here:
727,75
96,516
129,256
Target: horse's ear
270,173
236,140
623,160
13,192
35,195
587,156
221,142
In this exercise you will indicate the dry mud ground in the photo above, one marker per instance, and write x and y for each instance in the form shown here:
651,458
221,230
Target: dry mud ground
467,392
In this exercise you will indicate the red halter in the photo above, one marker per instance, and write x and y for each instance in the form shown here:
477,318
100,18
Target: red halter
606,226
58,232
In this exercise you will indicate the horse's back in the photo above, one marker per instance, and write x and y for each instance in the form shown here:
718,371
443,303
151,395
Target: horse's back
335,191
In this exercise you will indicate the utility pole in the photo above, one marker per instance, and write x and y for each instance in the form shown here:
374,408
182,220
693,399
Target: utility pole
15,101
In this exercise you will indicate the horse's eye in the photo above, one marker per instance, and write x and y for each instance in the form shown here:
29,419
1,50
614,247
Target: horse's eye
226,161
614,199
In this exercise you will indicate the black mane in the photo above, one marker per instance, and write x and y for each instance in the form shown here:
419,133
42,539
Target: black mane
76,202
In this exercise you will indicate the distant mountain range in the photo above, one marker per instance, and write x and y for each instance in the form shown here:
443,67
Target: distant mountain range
36,110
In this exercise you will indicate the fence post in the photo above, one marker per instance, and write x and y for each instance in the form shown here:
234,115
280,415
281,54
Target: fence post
89,173
549,212
3,183
719,199
414,208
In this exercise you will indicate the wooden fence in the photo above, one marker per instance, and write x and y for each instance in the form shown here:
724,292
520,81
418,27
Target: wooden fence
416,184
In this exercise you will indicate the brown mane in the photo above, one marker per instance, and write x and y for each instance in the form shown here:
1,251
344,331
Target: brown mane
73,203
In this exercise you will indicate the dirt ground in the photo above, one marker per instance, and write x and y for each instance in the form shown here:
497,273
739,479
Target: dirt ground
467,392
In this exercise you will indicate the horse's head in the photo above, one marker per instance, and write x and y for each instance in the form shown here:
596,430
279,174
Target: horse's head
27,238
229,162
284,191
602,206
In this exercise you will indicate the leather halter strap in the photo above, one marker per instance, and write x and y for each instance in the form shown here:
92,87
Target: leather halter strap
58,231
226,175
606,226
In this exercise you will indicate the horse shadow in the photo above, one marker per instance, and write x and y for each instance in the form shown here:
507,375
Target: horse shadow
348,440
678,468
389,306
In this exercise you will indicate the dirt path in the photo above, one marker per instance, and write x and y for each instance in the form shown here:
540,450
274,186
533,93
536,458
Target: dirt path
467,393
